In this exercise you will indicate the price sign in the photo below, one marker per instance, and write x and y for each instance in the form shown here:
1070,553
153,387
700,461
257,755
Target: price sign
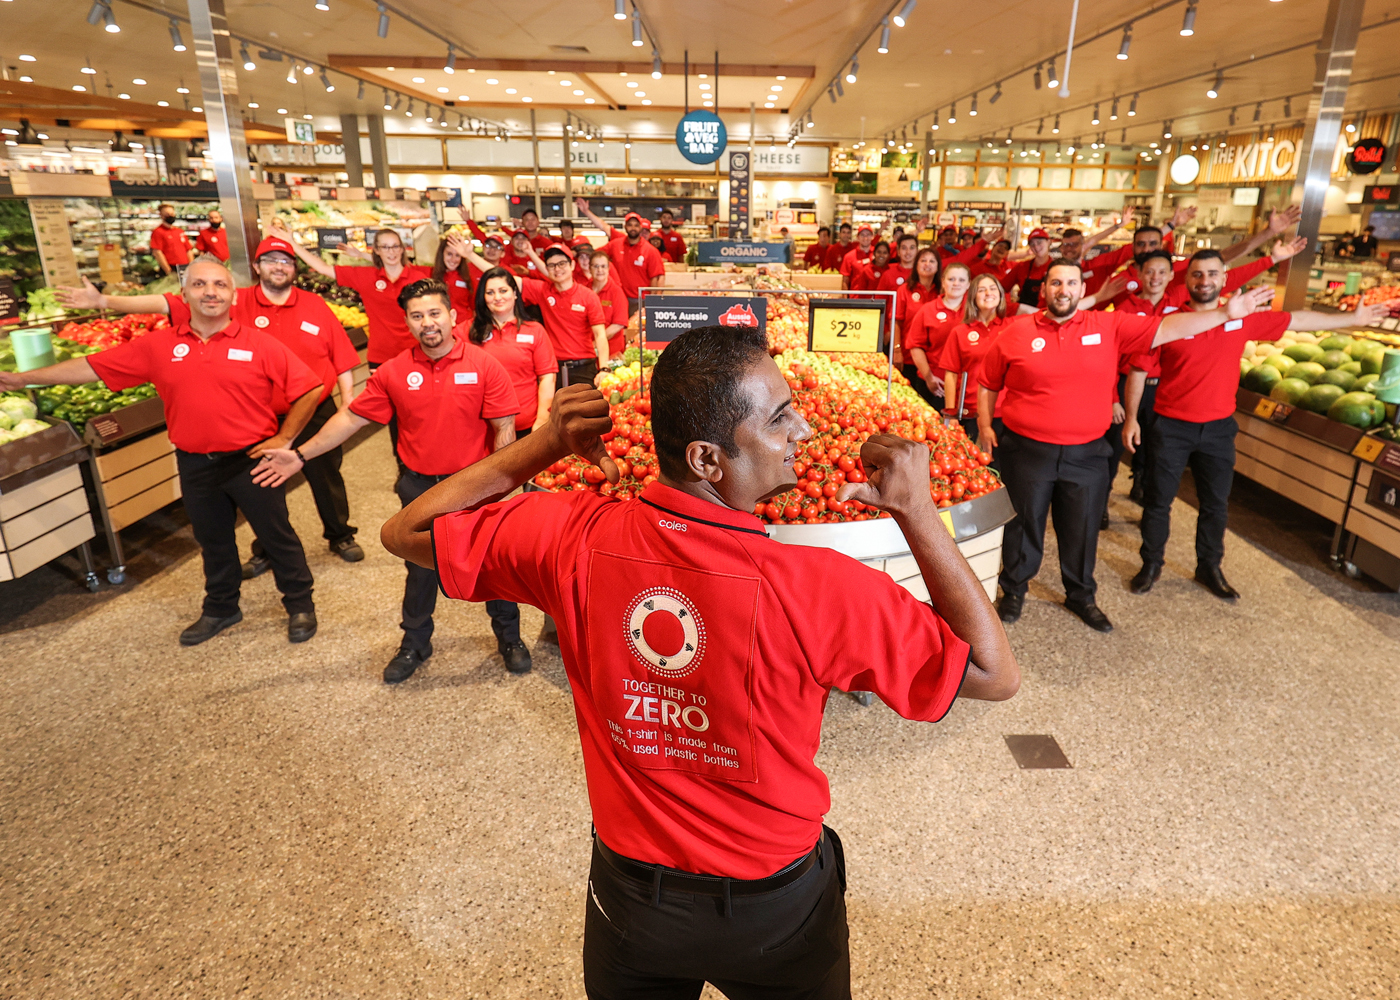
946,516
1368,449
1264,409
846,326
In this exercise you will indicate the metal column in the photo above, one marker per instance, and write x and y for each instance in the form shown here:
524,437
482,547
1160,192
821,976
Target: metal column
378,150
923,173
1159,193
1333,58
350,138
218,79
535,152
569,176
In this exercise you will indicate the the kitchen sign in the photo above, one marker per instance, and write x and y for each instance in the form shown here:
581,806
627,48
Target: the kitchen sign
701,137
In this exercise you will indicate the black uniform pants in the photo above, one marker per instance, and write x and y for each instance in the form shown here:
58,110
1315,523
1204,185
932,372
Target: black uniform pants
327,485
1209,448
393,428
215,488
1070,483
421,588
1147,417
1114,437
573,373
793,942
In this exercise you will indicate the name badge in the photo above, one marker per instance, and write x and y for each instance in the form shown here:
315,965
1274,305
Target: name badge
234,354
1168,309
1091,339
1233,325
460,283
464,378
524,338
311,328
578,307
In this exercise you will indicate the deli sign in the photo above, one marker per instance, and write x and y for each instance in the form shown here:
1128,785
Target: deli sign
1366,156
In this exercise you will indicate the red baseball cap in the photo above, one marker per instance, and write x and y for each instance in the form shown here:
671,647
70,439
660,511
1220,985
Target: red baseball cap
634,215
1038,234
497,237
554,248
581,242
519,232
865,229
273,244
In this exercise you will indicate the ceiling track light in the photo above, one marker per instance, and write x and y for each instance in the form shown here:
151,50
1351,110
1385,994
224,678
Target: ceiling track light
973,112
1053,80
1124,45
325,82
636,27
655,64
308,69
383,30
1132,107
884,47
1041,127
387,105
1037,76
1188,20
360,92
1055,130
292,73
176,42
1096,115
248,63
953,114
996,96
1113,112
1232,115
323,4
1167,130
451,65
902,18
854,71
620,10
831,94
409,110
840,90
1258,110
1214,90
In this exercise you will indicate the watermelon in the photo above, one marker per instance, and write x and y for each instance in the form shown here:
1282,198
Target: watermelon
1378,412
1363,382
1353,408
1289,390
1343,380
1308,371
1372,360
1319,398
1333,359
1280,361
1261,379
1354,367
1303,352
1336,342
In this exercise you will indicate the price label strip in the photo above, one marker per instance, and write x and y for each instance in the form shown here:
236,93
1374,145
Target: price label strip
845,328
1264,409
1368,449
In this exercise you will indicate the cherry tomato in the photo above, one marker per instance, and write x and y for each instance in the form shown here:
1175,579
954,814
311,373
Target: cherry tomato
772,512
829,490
845,463
813,490
573,473
792,511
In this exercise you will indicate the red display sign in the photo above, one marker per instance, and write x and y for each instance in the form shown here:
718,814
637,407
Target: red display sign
1366,156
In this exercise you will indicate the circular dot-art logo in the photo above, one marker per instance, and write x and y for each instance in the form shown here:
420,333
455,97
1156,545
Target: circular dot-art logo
664,632
415,379
262,322
181,350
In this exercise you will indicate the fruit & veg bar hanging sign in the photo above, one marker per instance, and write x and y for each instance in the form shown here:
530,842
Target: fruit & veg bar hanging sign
701,137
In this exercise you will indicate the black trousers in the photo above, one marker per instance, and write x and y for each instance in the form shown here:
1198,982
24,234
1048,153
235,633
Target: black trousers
216,487
1209,448
1114,437
421,588
579,373
782,945
1068,482
327,485
393,429
1147,417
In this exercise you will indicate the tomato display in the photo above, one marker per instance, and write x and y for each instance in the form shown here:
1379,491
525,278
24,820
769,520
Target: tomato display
105,333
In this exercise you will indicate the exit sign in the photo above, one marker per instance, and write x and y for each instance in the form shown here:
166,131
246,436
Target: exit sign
595,180
302,132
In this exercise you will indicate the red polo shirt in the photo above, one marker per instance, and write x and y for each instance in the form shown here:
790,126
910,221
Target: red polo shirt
541,240
218,396
1200,374
635,266
442,406
998,271
913,297
835,254
674,244
930,328
867,277
701,658
388,331
855,257
896,276
963,351
815,256
171,241
211,240
523,351
1098,270
1060,379
1025,271
569,317
463,291
614,304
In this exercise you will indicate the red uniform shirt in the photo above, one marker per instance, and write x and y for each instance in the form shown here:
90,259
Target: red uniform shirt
388,331
520,265
1200,374
998,271
462,291
963,351
211,240
815,256
218,396
835,254
442,406
867,277
674,244
912,297
1029,276
947,253
171,241
856,257
525,354
701,658
896,276
1096,270
569,317
614,304
930,327
541,240
635,266
1060,379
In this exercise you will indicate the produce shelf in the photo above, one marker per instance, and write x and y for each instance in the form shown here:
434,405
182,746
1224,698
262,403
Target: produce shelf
43,506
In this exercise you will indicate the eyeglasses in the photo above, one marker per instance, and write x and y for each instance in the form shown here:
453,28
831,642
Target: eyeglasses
552,264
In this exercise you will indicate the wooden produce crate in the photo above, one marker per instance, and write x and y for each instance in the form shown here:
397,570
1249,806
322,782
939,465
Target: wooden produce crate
138,478
43,506
1299,455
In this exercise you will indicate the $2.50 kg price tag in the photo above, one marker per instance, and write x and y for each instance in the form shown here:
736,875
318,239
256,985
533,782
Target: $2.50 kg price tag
844,328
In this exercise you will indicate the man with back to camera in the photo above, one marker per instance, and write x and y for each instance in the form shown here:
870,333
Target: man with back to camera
221,382
701,659
1059,372
455,405
1195,420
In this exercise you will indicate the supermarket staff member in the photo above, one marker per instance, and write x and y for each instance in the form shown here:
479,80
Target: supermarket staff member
456,272
1195,422
634,260
530,224
214,237
220,381
928,330
169,245
836,253
901,272
701,659
1027,276
867,277
672,241
516,258
611,298
948,243
1057,371
815,255
984,319
858,256
455,405
498,326
996,263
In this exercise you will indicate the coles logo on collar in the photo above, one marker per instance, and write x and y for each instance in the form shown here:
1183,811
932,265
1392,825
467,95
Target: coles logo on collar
180,351
664,632
381,284
973,336
262,322
414,380
549,299
1038,344
942,315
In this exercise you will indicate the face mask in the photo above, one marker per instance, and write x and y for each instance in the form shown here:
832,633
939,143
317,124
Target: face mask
167,219
215,225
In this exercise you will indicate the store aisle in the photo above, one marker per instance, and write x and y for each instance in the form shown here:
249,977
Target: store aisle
250,815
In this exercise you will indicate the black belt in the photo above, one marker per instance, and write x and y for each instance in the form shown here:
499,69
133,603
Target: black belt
577,362
660,877
424,475
1153,381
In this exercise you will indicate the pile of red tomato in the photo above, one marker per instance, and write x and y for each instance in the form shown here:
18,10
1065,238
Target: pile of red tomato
105,333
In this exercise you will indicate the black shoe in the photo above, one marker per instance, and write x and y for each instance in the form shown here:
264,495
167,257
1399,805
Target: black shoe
1145,578
404,663
1135,494
1090,615
1103,525
517,657
1213,580
207,627
301,626
348,549
256,566
1009,607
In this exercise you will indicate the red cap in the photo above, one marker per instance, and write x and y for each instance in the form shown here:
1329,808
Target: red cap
581,242
519,232
498,237
554,248
1038,234
865,229
633,215
948,229
646,224
273,244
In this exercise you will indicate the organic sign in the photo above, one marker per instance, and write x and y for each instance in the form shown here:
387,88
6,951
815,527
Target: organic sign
737,252
701,137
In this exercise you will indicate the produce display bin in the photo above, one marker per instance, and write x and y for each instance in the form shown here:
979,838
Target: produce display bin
1370,530
1297,454
43,506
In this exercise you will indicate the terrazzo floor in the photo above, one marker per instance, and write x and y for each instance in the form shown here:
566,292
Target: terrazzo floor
250,818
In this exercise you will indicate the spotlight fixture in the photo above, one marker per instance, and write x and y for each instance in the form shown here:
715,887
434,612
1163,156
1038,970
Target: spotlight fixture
620,10
853,72
360,93
176,42
1041,127
383,30
325,82
902,18
387,105
1167,131
1288,107
655,64
1113,112
1132,107
884,47
831,94
1127,41
1037,76
840,90
1055,129
102,11
292,73
248,63
973,112
451,66
1188,21
1232,115
636,27
1096,115
1053,80
1214,90
1258,110
996,96
953,114
409,110
323,4
307,69
1008,137
934,126
810,123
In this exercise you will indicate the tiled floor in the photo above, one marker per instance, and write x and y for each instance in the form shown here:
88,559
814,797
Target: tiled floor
256,819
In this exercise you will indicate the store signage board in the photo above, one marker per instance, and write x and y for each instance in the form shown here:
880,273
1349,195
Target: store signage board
181,183
300,131
1247,196
701,136
1366,156
740,180
845,325
665,316
740,252
1380,194
595,180
1384,494
330,239
797,160
54,241
9,302
109,263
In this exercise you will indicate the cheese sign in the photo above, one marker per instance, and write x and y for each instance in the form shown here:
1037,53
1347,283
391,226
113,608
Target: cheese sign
846,326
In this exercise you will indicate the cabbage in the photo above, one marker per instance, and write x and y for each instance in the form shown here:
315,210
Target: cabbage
6,437
27,427
18,408
6,421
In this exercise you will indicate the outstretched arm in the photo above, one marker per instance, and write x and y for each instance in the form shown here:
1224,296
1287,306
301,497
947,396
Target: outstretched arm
279,229
1096,238
1363,316
464,249
1188,323
76,371
88,297
1279,223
